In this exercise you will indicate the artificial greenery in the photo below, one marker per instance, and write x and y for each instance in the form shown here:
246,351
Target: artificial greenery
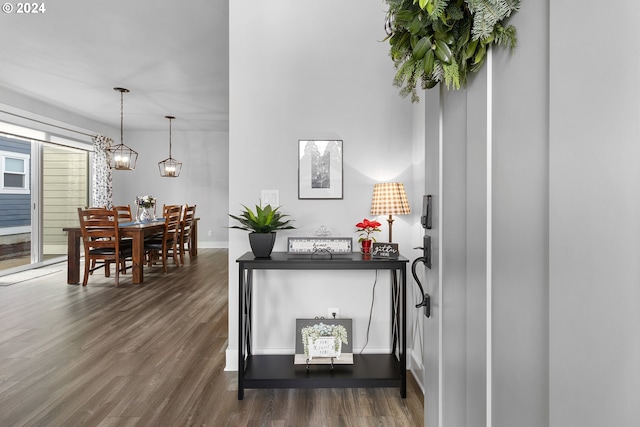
322,330
442,40
264,220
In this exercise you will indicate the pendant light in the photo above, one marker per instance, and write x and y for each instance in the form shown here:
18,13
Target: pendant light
170,167
122,157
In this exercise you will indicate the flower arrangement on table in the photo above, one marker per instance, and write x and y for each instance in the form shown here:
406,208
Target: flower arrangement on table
145,205
310,334
145,201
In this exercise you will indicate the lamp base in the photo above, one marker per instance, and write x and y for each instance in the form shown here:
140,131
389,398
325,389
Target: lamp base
390,221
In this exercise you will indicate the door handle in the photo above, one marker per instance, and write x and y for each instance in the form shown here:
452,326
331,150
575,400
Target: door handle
426,298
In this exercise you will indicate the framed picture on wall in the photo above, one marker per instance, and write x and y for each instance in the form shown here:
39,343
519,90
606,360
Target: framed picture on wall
320,169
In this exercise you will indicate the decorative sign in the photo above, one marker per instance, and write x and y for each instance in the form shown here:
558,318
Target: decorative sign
323,341
385,250
311,245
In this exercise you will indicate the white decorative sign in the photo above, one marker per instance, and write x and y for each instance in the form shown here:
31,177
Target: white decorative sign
311,245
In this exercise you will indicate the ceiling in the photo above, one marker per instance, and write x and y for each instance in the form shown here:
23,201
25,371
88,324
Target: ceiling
172,56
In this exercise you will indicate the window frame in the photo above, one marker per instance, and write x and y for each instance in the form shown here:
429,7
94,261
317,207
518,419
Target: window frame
26,159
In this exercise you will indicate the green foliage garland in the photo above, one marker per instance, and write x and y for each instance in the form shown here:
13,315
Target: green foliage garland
435,40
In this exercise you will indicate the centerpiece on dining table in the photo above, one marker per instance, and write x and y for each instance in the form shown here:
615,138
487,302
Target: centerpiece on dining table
146,208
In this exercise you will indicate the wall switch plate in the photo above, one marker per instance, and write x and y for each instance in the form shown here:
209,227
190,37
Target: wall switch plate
270,197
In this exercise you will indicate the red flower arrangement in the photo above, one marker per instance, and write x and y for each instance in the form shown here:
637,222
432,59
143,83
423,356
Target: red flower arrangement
365,228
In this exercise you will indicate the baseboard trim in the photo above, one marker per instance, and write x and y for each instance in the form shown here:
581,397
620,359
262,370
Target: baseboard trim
212,245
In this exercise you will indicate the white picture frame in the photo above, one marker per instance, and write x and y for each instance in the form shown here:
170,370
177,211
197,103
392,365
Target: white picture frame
320,169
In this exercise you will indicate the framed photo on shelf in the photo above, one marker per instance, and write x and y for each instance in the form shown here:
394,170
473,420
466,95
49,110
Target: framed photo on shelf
328,341
320,169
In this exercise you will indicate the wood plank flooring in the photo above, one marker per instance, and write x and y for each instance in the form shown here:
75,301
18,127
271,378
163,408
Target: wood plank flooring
153,355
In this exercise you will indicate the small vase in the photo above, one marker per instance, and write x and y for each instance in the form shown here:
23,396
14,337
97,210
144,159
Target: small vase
365,246
146,214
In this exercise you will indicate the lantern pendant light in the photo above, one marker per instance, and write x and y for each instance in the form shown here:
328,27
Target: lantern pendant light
122,157
170,167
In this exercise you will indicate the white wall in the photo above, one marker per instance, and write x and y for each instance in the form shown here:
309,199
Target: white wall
203,181
313,70
594,318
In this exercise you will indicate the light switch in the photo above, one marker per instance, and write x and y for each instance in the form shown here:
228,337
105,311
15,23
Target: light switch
270,197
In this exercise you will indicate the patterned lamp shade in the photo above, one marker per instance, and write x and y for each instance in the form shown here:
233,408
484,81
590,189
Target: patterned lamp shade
389,198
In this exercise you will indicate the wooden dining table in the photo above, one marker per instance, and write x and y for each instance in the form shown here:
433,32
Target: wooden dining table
135,230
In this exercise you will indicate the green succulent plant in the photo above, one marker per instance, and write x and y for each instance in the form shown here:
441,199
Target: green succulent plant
442,40
264,220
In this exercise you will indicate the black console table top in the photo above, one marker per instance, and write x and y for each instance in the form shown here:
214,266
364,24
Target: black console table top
322,261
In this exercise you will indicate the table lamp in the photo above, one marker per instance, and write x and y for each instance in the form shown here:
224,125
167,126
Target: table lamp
389,198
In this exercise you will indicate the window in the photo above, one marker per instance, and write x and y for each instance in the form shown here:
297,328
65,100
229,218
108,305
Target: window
15,173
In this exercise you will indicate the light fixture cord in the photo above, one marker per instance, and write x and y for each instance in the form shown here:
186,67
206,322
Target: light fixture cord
121,117
170,137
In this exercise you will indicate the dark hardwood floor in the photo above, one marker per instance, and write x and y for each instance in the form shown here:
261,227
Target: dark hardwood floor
153,355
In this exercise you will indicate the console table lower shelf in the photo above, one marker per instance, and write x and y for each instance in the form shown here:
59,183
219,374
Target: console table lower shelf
279,371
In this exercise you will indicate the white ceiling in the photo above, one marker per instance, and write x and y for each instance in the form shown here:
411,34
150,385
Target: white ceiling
172,56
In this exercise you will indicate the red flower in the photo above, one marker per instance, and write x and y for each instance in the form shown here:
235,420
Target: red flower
365,228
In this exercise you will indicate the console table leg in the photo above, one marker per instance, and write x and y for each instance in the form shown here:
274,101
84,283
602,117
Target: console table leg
403,332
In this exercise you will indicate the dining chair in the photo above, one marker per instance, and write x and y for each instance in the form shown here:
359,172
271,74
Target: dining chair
124,213
167,244
101,241
188,216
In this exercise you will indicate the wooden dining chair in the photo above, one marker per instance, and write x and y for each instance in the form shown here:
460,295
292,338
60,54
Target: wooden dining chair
124,213
166,245
101,241
188,216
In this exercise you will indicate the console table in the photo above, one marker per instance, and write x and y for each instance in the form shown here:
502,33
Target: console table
279,371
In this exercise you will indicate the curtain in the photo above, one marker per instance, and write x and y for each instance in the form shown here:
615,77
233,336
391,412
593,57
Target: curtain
102,178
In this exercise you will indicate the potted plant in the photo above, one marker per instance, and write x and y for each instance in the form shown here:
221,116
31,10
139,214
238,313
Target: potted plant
262,226
365,231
